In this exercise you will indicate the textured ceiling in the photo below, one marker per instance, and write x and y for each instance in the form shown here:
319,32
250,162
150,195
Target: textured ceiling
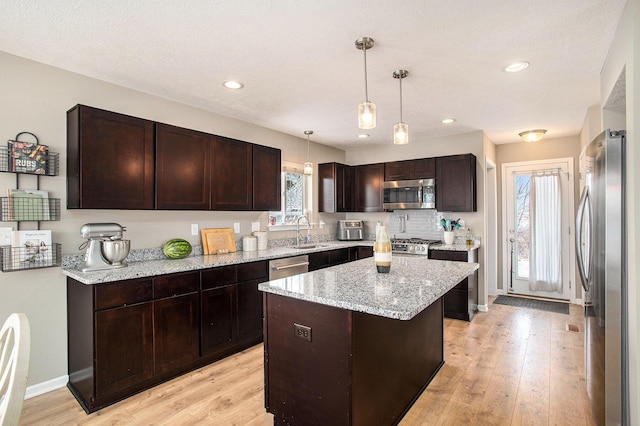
301,69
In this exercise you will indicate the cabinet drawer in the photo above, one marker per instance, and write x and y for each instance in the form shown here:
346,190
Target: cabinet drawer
219,277
458,256
339,256
122,294
173,285
252,271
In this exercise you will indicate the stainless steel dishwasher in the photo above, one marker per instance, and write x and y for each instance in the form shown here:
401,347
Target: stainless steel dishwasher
281,268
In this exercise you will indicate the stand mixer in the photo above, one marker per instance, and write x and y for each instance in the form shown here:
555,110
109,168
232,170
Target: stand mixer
105,247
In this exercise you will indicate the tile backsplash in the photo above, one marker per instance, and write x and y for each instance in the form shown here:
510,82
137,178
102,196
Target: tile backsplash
417,224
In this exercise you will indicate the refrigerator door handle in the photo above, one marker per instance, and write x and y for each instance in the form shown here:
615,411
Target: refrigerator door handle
585,203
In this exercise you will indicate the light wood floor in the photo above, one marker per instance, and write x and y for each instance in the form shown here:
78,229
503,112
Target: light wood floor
510,366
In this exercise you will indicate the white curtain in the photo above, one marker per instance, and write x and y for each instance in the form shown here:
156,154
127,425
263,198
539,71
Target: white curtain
546,244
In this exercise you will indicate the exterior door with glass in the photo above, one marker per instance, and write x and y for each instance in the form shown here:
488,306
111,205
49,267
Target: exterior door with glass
538,206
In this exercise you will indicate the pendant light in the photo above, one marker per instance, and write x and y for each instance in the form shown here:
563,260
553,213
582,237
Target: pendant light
400,130
366,109
308,166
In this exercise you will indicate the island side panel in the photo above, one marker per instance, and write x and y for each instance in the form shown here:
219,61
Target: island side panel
307,383
393,362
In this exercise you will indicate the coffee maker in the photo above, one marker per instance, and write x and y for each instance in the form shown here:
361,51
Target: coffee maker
105,247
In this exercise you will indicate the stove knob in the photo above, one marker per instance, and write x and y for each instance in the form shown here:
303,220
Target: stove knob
421,248
410,248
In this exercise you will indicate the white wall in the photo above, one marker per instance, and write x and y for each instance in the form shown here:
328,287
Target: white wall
625,54
35,98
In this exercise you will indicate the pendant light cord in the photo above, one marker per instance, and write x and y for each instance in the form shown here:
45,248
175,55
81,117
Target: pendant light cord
366,89
400,97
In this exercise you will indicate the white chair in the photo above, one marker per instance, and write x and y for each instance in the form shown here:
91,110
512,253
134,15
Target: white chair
15,346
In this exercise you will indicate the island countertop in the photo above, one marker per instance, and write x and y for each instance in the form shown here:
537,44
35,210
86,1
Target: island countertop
413,284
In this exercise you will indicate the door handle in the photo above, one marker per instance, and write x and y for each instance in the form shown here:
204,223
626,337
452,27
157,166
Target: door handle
583,206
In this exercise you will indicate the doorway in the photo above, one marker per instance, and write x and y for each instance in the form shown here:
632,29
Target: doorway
538,206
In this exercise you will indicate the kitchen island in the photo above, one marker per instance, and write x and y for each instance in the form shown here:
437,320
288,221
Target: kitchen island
348,346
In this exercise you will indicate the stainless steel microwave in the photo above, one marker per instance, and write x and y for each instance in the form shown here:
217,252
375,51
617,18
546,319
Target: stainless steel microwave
409,194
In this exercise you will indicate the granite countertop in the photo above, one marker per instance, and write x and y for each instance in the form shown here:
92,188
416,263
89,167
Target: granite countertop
414,283
148,268
454,247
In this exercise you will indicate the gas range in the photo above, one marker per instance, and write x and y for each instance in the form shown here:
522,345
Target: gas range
417,246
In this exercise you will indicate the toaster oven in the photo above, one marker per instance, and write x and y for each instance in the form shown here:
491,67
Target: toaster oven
350,230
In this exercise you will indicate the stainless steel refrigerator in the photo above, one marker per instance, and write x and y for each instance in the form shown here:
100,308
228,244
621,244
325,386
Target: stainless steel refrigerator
601,255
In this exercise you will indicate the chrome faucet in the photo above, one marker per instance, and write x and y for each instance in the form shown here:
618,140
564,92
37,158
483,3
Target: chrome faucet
298,236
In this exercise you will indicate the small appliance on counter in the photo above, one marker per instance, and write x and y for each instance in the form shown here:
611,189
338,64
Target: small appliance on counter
105,247
350,230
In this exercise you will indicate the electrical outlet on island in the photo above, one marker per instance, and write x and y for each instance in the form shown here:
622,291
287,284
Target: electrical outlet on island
236,227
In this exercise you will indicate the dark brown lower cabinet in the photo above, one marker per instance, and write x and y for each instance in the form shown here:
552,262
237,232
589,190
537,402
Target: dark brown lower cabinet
461,302
249,310
231,308
127,336
124,347
357,368
218,313
175,329
360,252
324,259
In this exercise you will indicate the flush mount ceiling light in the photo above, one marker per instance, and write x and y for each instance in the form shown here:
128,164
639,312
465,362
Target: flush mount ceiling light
401,129
532,135
517,66
366,109
308,166
363,135
448,120
232,84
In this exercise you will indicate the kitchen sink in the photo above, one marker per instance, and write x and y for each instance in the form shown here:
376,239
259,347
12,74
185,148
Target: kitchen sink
309,246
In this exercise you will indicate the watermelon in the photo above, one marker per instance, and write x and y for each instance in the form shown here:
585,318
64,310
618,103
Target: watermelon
177,248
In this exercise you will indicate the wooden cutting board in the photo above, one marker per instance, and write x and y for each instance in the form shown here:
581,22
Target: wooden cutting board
218,240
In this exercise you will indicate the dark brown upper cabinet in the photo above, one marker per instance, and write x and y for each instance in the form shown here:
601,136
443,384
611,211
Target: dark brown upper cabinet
456,183
183,172
266,178
369,183
336,188
115,161
110,161
421,168
232,165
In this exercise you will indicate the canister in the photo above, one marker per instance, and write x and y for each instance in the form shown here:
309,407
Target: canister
249,243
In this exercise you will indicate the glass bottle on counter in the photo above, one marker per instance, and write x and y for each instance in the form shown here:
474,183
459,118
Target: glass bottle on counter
469,238
382,250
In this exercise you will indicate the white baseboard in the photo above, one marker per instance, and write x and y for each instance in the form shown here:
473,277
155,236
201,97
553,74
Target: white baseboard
483,308
44,387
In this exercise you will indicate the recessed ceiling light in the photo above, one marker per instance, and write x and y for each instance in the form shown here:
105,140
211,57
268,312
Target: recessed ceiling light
517,66
448,120
363,135
232,84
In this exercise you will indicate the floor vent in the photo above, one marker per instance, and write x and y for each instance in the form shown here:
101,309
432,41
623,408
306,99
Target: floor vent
573,328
